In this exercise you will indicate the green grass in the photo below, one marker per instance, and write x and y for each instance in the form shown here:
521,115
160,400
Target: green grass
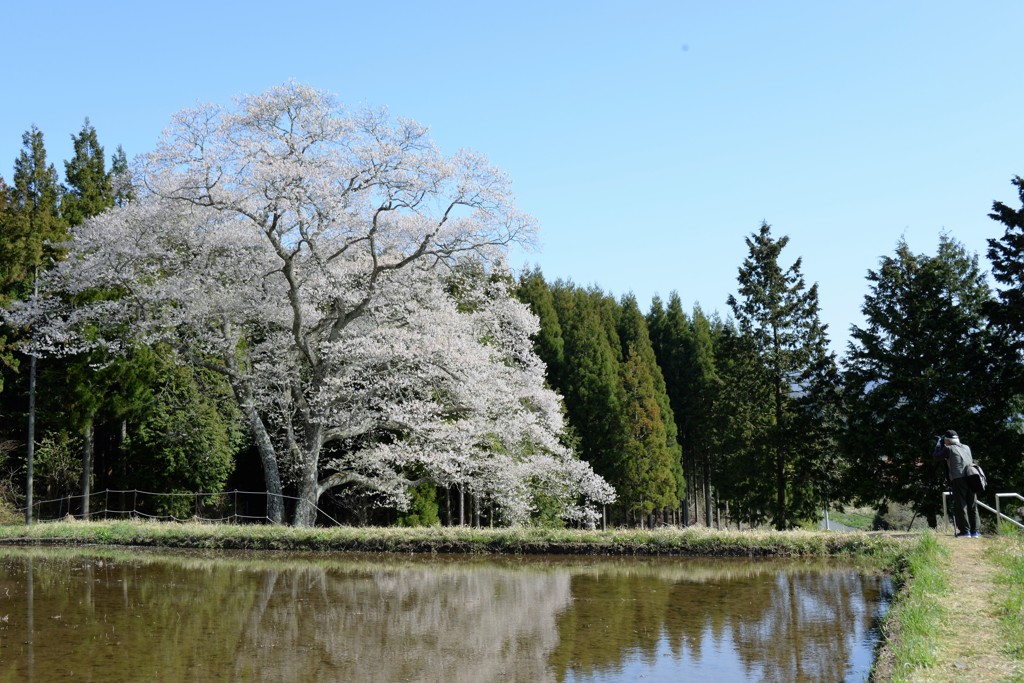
917,613
522,540
1009,557
863,519
9,516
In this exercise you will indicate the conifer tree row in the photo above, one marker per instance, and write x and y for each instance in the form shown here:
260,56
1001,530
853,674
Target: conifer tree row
749,412
685,349
615,394
691,418
127,397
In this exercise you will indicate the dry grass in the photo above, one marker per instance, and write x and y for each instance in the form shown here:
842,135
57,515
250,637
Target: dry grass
523,540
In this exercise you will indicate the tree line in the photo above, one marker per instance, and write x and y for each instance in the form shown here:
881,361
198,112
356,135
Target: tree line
764,424
321,309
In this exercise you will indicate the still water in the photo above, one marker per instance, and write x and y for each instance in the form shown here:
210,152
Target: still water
140,616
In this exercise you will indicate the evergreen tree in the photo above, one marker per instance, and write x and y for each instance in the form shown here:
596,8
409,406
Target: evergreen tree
31,232
608,312
184,433
88,193
94,391
817,425
742,470
669,337
591,383
89,190
685,349
8,359
648,481
702,406
32,229
924,363
635,339
779,314
548,342
1007,256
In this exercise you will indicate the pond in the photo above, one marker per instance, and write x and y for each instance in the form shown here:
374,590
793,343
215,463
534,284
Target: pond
78,615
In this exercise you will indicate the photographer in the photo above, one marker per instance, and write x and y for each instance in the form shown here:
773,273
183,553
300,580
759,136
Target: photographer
958,457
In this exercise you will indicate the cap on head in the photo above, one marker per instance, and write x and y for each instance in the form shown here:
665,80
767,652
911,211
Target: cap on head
950,434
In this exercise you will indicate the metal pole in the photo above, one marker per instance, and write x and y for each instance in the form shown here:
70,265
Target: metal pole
999,515
31,419
31,437
945,514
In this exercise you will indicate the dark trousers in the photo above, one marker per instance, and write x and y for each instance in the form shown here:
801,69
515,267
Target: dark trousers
965,507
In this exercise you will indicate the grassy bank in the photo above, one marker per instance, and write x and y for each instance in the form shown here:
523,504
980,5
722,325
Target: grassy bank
1009,557
916,613
958,614
691,541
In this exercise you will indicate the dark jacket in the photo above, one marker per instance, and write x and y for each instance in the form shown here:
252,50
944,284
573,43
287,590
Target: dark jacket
957,456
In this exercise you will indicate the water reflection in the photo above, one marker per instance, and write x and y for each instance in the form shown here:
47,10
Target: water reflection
141,616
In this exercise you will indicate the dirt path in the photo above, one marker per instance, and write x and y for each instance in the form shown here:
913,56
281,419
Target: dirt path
969,647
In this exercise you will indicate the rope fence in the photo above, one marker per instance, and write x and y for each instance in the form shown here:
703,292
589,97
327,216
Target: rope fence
225,507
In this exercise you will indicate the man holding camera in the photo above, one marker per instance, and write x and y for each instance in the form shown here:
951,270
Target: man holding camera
958,457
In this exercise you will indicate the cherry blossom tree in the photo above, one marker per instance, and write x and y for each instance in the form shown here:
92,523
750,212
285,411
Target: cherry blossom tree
347,279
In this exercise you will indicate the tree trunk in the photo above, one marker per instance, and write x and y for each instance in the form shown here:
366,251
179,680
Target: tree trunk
29,475
780,461
690,489
462,506
309,494
780,489
707,489
87,455
122,439
268,455
271,476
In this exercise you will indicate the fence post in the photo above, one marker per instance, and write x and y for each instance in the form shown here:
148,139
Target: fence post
999,514
945,514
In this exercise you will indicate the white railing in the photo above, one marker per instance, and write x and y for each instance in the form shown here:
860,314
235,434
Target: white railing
995,510
1000,514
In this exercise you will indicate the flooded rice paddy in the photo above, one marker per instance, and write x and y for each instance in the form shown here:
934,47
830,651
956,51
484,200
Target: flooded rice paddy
68,614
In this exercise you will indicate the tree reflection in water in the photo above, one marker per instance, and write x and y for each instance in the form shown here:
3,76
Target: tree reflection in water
736,621
140,616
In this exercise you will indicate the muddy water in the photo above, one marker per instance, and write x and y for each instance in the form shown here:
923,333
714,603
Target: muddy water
69,615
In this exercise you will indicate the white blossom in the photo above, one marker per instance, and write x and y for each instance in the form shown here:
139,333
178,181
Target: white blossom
347,279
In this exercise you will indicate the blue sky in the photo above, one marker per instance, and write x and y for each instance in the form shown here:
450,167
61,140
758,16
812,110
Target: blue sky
648,138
